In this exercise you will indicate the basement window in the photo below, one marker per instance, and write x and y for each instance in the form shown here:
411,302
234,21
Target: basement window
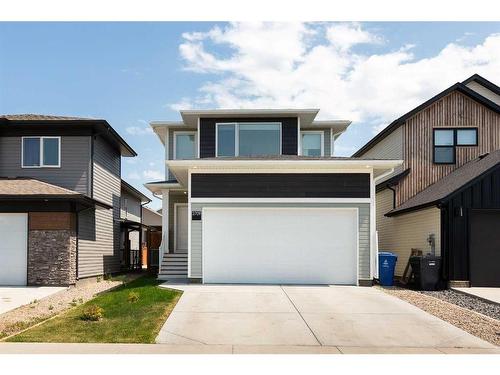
41,152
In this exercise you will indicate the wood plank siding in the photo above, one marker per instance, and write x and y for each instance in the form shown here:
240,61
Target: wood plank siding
454,110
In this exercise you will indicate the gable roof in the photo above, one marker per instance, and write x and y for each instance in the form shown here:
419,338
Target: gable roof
132,190
459,86
483,82
451,183
99,125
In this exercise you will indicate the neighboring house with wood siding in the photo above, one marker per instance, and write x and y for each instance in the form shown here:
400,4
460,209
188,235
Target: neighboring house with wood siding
257,196
447,184
60,188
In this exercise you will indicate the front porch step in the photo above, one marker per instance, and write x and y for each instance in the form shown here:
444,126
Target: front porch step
173,266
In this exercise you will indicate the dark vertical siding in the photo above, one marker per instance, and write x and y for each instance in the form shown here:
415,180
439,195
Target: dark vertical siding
483,194
75,163
454,110
289,138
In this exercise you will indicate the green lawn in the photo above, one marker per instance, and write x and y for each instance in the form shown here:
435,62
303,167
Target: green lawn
123,321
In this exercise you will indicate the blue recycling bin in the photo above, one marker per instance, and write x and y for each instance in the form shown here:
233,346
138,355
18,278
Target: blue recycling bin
386,264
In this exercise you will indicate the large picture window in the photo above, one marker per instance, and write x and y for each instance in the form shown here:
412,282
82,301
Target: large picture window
249,139
446,140
184,145
40,152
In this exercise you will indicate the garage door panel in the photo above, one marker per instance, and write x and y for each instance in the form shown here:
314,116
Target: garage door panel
13,248
278,245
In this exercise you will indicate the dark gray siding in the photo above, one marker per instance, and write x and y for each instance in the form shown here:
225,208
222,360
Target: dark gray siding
130,209
99,230
288,133
74,173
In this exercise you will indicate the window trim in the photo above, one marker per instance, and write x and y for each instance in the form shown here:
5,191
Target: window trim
42,165
237,135
184,132
454,146
320,132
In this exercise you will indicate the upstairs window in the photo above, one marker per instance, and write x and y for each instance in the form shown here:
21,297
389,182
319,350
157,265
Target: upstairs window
312,143
446,140
41,152
184,145
248,139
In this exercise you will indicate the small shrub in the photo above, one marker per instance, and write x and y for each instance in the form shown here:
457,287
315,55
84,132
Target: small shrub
80,300
98,279
51,307
133,297
92,313
107,276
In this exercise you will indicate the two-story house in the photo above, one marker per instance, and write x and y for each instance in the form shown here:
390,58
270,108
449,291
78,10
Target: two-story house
60,189
445,197
256,196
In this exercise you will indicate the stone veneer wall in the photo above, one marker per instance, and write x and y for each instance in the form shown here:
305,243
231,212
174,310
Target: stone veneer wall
52,257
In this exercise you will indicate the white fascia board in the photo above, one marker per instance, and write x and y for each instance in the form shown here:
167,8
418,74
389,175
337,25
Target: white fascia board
180,168
161,127
191,116
158,187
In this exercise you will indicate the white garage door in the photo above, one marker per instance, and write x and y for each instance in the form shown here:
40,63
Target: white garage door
280,245
13,248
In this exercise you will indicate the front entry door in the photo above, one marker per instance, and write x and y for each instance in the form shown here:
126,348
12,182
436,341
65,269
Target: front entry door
484,249
181,228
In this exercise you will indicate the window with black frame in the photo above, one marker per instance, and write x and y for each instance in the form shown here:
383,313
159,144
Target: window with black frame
446,140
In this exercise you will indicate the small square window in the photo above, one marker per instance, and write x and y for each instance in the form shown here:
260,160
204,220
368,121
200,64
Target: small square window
466,137
444,137
444,155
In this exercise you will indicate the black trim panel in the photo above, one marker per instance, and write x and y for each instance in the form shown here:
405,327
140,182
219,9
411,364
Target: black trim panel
280,185
288,133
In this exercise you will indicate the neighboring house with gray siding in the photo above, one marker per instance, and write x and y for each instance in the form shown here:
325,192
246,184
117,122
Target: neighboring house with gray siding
60,183
257,196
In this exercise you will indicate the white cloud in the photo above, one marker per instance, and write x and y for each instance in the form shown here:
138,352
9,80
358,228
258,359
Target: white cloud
151,174
314,65
144,129
344,36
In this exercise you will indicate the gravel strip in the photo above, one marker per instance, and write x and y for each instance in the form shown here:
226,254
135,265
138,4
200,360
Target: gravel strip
481,326
468,302
25,316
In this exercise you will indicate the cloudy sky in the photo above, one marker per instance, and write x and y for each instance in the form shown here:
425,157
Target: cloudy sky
132,73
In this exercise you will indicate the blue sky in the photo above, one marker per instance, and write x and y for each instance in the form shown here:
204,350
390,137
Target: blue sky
132,73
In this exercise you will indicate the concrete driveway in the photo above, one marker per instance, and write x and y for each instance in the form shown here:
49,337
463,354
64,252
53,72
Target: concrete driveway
332,318
12,297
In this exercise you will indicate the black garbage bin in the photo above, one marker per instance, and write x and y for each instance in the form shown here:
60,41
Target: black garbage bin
426,272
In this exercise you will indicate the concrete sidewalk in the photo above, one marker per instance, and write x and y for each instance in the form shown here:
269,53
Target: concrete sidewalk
488,294
12,297
41,348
